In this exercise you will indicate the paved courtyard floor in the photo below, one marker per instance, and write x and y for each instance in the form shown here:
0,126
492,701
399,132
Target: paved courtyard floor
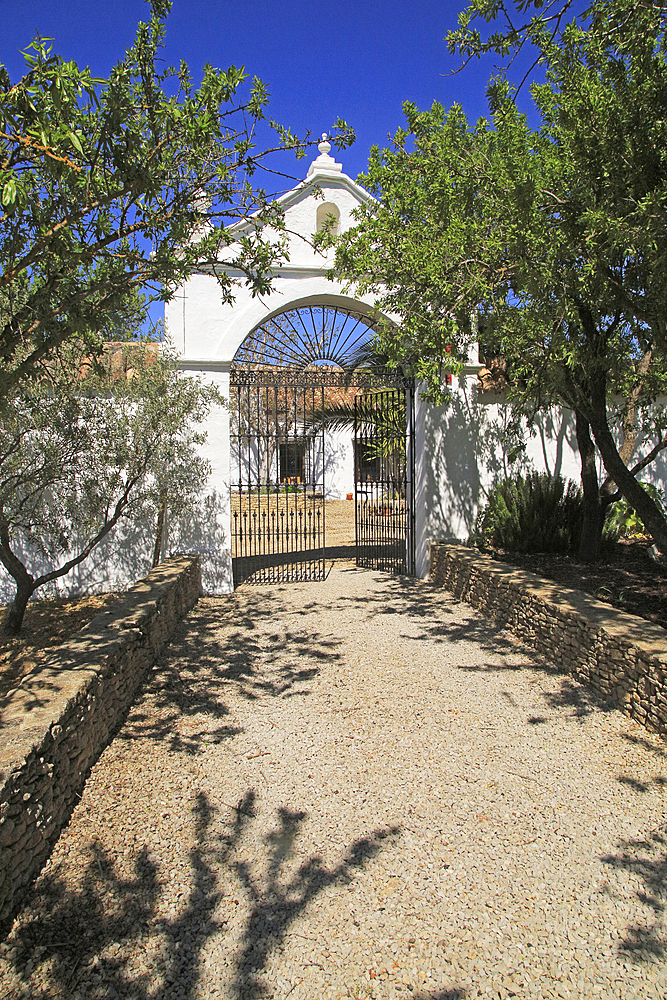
355,789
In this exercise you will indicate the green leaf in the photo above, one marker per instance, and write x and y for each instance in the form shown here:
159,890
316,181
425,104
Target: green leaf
9,192
76,142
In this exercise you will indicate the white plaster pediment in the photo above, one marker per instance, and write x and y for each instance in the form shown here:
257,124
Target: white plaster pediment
203,329
325,184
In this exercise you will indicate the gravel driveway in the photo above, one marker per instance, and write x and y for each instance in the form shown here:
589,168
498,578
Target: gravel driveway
358,789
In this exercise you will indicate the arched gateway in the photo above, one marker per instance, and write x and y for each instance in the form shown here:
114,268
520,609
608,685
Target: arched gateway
286,352
311,432
283,361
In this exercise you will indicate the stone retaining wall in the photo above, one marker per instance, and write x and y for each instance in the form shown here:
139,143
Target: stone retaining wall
54,727
621,656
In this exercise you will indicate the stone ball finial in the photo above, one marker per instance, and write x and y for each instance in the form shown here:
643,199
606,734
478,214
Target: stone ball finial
324,164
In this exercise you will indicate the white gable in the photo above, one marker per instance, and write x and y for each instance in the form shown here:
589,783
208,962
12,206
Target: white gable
202,329
325,185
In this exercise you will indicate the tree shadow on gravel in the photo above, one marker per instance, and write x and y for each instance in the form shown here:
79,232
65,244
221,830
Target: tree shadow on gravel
105,938
221,646
580,700
83,943
452,994
63,932
415,599
646,860
642,741
659,781
277,898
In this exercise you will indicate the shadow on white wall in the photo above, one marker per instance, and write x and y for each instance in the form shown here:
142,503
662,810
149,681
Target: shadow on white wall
122,558
202,530
468,446
126,555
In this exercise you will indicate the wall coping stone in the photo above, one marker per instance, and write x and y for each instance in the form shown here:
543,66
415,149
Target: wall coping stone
55,724
636,631
27,713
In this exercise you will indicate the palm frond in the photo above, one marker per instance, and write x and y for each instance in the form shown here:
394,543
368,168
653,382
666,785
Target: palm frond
337,417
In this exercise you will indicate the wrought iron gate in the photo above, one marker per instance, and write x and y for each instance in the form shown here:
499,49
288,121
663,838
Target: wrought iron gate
277,462
384,479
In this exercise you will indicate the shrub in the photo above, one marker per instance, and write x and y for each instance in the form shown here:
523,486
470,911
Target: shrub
533,513
623,521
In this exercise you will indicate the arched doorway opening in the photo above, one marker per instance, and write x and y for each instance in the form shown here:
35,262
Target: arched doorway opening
316,423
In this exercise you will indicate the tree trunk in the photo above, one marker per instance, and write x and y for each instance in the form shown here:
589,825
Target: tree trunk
594,508
631,489
25,584
159,531
14,620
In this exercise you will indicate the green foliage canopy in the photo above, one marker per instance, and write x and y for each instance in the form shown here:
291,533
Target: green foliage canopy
131,182
554,239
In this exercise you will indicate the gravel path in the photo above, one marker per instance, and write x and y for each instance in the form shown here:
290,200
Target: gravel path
356,789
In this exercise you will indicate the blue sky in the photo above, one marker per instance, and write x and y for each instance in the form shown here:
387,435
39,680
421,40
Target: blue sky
357,59
354,59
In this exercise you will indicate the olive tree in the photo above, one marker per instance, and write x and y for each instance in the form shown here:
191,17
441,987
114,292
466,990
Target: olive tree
88,444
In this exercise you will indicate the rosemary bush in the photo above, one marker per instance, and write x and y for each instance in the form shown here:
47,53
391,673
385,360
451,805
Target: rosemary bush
533,513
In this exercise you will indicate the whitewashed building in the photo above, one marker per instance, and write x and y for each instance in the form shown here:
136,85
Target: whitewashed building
456,451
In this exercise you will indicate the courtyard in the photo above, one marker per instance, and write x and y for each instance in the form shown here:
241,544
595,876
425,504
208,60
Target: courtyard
355,789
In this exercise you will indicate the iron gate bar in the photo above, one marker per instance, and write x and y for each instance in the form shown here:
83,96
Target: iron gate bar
278,515
384,480
358,340
309,340
296,337
316,377
336,338
296,332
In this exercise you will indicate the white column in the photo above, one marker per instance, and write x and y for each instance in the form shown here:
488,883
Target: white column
422,479
447,468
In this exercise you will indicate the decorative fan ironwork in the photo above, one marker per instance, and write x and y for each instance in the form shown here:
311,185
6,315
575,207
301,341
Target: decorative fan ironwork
301,338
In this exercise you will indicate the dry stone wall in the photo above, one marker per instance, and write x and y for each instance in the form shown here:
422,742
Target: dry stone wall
56,724
621,656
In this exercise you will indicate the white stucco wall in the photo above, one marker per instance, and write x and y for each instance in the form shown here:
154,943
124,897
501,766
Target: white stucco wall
126,553
207,529
202,328
339,463
460,451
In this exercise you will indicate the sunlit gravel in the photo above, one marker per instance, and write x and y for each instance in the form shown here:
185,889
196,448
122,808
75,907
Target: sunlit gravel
355,789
